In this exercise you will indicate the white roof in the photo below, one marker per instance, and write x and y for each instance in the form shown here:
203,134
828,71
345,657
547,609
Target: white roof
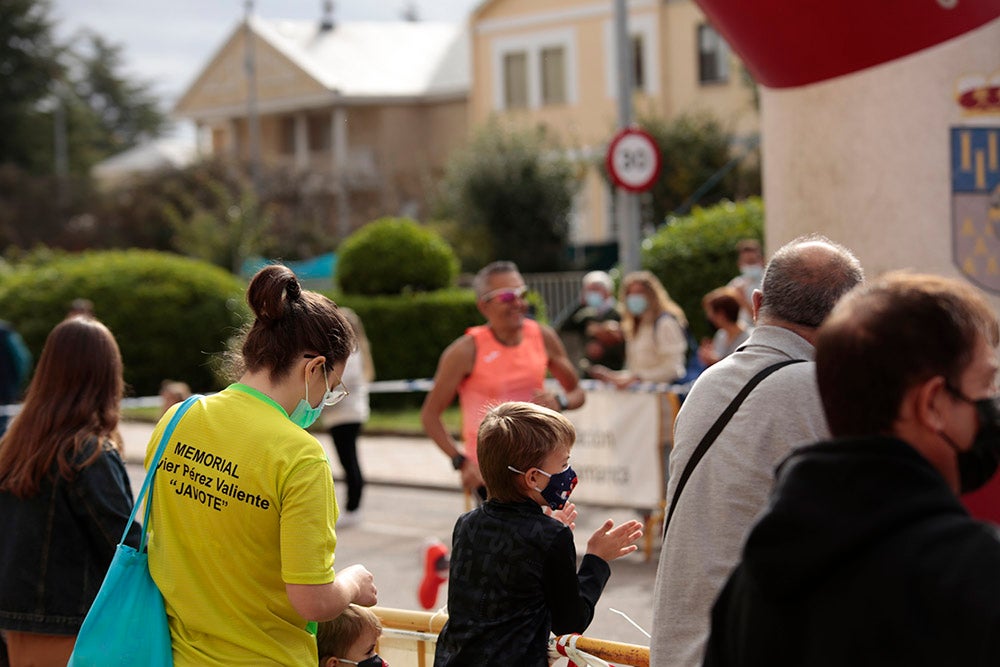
376,59
146,157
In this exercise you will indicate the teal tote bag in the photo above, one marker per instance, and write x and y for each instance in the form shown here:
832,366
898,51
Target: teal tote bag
127,624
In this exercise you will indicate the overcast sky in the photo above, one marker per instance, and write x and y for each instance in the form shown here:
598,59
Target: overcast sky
167,42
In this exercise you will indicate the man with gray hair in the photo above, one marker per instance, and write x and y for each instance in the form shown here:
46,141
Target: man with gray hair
592,333
742,416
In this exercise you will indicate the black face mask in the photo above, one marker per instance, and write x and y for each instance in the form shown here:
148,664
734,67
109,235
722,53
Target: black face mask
374,661
978,464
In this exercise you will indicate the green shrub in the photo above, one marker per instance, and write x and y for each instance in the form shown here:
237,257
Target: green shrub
697,253
393,255
170,315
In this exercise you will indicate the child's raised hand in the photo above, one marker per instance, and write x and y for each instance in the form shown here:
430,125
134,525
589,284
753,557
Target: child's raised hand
566,515
610,542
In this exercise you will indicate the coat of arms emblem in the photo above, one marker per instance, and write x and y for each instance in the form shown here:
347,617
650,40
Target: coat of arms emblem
975,204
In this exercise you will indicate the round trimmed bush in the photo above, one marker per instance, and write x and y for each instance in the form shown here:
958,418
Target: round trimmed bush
172,316
395,255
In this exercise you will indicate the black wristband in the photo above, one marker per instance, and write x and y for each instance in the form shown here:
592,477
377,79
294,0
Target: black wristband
457,461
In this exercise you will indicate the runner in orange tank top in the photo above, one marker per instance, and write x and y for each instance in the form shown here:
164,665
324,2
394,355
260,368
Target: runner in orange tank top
504,360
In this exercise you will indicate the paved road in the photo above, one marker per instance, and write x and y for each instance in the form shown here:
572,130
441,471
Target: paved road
413,497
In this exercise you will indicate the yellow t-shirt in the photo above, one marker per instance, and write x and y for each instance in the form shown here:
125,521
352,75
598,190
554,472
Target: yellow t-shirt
243,503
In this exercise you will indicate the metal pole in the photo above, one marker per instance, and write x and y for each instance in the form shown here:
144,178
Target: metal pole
253,122
59,138
626,203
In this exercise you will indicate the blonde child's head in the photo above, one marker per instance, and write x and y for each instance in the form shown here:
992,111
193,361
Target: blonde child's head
518,435
348,639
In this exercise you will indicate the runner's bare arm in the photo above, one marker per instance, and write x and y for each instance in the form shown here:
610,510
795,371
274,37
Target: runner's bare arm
562,369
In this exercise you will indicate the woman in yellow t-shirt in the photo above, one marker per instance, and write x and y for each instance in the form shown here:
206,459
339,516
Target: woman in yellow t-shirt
242,529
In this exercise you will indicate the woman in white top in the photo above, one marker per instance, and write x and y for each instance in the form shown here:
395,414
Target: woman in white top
344,420
653,326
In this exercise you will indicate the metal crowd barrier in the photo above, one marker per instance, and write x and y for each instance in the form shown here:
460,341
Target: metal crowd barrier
409,637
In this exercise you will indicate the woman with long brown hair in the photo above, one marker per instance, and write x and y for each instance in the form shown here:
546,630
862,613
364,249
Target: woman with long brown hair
64,494
654,329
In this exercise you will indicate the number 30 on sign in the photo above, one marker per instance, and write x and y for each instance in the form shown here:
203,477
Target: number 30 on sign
633,160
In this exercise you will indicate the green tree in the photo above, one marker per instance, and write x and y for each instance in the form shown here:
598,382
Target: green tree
694,150
123,112
517,185
216,219
29,62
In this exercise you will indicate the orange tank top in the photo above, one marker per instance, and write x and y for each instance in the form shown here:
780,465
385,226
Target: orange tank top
500,373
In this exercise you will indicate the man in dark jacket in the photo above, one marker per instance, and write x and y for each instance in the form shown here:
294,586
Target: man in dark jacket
865,556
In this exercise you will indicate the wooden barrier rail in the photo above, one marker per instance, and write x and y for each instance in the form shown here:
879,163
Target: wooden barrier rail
421,627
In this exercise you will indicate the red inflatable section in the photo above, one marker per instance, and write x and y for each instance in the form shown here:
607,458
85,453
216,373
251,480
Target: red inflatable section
788,43
984,504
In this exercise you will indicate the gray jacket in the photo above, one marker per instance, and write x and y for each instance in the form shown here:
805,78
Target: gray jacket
730,485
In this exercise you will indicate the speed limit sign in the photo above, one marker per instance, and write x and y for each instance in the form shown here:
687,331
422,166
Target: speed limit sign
633,160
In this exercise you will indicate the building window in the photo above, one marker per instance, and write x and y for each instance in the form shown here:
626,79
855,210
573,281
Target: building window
638,64
554,75
713,56
515,80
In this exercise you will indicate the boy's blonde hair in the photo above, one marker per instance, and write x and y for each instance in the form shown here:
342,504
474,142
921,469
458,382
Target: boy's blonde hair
335,637
519,435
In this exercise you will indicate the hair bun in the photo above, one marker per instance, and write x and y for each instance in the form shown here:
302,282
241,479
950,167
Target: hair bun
293,289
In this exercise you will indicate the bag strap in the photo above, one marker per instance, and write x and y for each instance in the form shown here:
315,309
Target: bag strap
716,429
144,492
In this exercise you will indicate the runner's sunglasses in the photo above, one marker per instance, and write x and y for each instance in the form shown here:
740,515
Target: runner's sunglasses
505,294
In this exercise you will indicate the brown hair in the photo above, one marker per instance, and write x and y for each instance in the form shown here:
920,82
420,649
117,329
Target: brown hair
749,245
335,637
659,301
289,321
519,435
73,401
886,337
723,300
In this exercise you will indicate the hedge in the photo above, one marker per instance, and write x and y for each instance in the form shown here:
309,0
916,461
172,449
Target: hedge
171,315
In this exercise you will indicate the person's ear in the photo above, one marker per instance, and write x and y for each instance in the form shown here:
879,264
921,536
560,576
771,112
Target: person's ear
535,479
928,403
330,662
758,299
315,365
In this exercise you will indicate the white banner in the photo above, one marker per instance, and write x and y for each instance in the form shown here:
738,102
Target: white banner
622,438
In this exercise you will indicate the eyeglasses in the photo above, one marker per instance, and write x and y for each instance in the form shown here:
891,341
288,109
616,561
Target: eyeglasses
335,395
505,294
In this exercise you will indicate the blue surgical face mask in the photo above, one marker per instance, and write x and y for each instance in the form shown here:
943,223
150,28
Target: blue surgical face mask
593,299
636,304
304,414
752,271
560,485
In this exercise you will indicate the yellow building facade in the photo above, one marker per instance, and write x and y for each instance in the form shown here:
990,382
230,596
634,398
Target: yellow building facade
553,63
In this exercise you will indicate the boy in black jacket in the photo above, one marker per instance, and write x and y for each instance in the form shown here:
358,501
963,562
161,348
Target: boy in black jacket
513,572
